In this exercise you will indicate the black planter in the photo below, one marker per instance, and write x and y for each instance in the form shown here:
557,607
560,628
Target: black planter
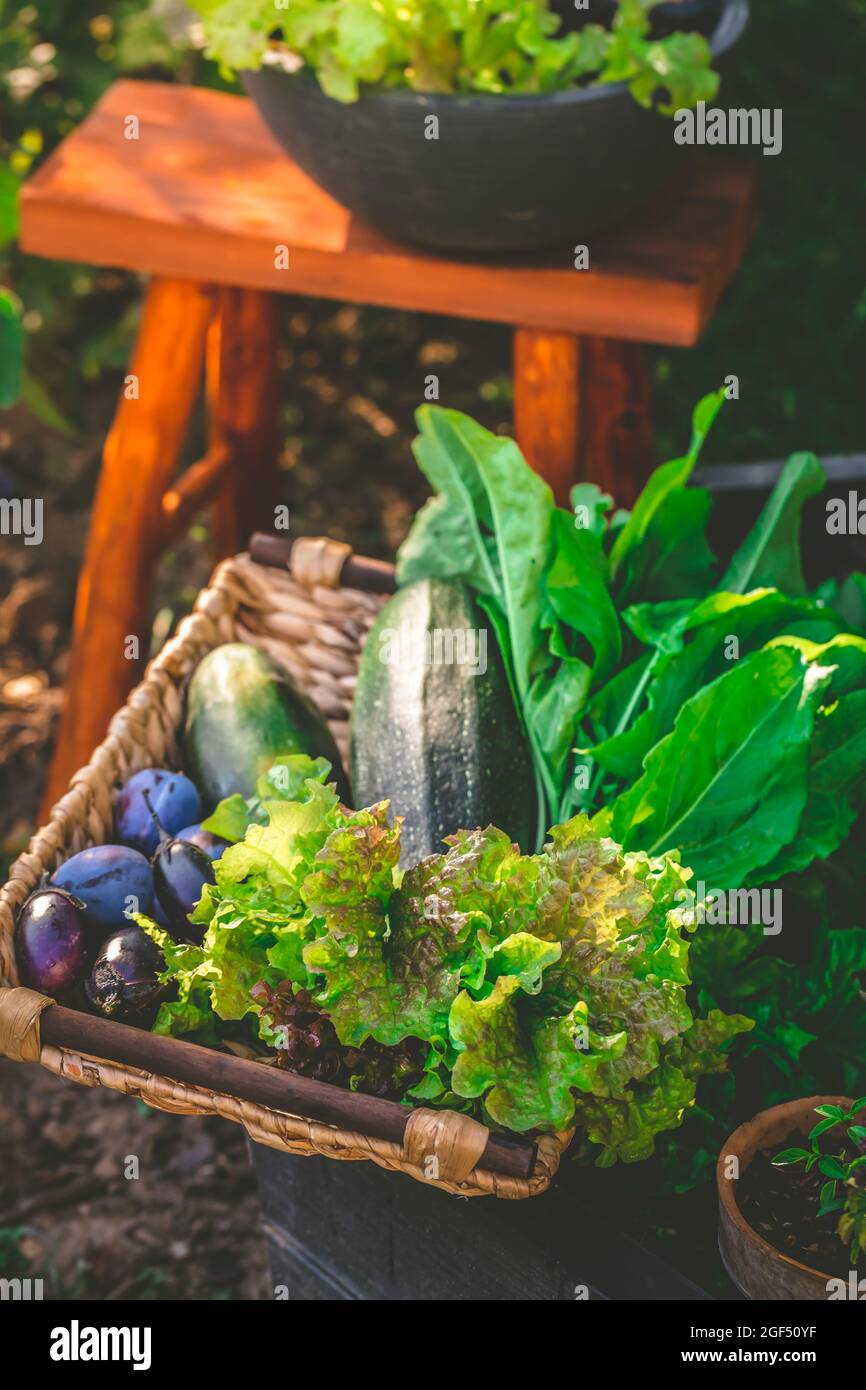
346,1231
506,173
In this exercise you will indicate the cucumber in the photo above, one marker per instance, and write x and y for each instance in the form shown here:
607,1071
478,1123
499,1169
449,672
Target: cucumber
440,739
242,712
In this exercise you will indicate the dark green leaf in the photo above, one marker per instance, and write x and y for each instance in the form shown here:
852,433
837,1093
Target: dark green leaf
576,587
822,1128
770,554
831,1167
787,1156
850,603
837,787
649,531
728,786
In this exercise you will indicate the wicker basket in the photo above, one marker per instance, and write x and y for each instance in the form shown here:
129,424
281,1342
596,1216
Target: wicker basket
316,629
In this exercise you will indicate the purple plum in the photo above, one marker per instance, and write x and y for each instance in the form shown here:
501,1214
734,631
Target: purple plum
110,880
173,797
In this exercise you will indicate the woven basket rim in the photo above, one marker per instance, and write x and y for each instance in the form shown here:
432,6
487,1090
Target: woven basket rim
86,809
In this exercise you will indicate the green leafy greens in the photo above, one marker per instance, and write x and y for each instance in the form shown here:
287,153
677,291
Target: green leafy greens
718,713
549,990
462,46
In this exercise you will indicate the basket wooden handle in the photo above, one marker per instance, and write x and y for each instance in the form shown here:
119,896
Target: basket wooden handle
28,1019
354,572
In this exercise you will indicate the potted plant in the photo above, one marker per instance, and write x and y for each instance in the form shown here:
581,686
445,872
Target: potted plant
666,16
478,127
792,1201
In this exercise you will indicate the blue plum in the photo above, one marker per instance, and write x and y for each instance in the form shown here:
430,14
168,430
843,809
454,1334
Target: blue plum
213,845
110,880
51,942
172,796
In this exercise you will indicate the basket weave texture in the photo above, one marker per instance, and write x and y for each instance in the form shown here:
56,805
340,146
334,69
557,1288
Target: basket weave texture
316,630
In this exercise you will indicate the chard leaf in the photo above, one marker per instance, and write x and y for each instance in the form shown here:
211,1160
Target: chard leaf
696,645
836,790
727,786
576,587
850,603
664,523
770,554
552,708
446,539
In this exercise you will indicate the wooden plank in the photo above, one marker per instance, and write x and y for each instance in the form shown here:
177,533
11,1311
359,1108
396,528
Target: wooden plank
546,402
346,1231
112,602
205,192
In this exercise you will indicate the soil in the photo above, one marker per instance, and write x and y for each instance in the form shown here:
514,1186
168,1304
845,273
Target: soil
782,1204
103,1198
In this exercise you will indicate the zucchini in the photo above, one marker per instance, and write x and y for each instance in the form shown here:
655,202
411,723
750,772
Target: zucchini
242,712
433,732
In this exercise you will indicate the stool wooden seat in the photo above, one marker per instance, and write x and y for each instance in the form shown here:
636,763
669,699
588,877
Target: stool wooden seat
189,186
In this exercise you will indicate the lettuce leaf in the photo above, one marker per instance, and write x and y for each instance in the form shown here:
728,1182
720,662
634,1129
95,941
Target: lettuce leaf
460,45
545,990
538,980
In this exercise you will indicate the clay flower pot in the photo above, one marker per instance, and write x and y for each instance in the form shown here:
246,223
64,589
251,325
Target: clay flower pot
759,1270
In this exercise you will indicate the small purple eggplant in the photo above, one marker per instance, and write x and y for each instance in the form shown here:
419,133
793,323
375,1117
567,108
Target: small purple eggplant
180,872
51,941
124,982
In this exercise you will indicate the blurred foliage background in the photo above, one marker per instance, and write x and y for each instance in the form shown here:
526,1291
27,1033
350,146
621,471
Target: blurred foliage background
793,328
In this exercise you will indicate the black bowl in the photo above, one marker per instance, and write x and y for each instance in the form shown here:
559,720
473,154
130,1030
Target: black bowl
506,173
701,16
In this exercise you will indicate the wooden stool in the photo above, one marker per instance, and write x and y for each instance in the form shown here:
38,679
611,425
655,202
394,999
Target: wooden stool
189,186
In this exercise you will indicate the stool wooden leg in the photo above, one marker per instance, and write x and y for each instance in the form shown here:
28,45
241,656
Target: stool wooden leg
582,410
112,602
244,409
546,405
616,438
